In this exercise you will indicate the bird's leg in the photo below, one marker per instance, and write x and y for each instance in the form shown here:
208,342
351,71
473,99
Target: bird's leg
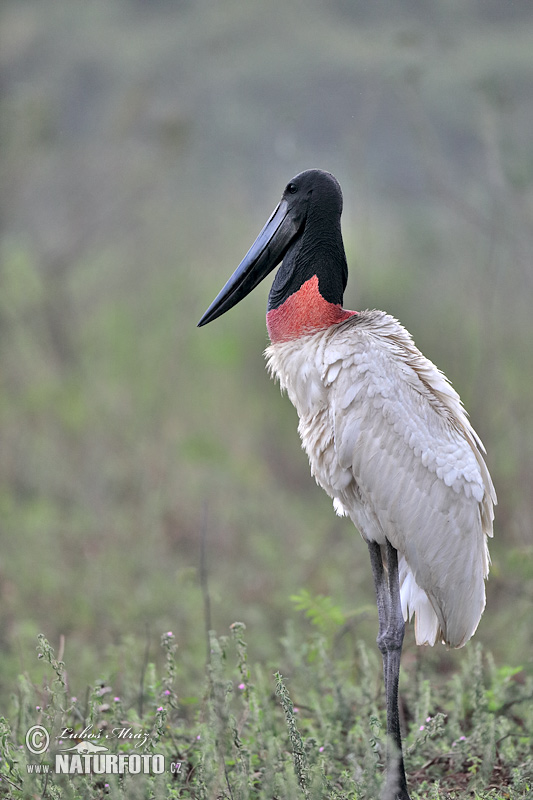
393,641
389,641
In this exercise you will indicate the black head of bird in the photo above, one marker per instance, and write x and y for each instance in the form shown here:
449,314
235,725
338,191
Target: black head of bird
304,234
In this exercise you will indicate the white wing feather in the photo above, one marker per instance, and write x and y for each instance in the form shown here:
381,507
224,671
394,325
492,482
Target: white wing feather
388,438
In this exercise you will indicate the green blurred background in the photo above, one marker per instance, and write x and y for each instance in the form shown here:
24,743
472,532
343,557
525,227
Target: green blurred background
143,144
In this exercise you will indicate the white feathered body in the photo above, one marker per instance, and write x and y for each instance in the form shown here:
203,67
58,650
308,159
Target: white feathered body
389,440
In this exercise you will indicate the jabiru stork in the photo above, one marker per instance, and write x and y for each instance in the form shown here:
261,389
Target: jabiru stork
386,434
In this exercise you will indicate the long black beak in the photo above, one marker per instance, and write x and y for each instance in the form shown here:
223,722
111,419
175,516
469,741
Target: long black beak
266,253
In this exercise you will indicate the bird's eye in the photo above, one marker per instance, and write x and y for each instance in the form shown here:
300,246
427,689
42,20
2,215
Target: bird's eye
292,188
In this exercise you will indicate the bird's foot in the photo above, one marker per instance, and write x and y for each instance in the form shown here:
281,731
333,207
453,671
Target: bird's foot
395,792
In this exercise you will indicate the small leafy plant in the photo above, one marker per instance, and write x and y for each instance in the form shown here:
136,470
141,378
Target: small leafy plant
316,732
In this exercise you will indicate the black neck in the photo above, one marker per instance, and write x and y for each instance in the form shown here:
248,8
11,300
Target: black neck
318,251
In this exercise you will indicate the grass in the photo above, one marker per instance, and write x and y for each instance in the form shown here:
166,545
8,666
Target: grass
315,731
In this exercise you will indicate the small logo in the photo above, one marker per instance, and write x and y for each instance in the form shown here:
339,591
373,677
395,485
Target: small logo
85,748
37,740
85,757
